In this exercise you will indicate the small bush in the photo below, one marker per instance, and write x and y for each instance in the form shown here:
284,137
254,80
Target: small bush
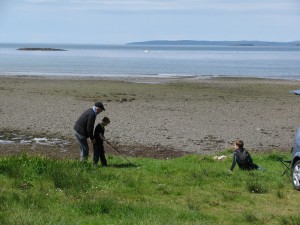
280,194
256,186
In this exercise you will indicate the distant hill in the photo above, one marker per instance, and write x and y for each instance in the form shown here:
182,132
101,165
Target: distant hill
227,43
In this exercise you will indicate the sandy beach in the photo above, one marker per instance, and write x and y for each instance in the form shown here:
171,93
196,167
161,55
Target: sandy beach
152,116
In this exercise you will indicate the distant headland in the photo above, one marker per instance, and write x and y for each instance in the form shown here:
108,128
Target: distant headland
41,49
224,43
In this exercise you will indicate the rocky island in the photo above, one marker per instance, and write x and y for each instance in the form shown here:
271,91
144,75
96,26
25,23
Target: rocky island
41,49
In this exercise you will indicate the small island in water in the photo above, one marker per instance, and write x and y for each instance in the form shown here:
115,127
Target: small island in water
41,49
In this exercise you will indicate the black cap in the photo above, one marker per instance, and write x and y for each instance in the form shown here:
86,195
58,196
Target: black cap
99,105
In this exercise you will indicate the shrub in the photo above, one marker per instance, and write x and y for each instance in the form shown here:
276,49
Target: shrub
256,186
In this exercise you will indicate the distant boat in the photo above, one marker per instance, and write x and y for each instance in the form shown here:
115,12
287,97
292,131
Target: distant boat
146,51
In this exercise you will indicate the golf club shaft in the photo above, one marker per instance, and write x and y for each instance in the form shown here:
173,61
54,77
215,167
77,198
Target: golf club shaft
119,152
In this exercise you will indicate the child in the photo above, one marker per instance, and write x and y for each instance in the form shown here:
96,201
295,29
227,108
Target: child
98,146
242,157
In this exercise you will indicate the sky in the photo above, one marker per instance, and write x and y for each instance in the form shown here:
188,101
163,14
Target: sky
124,21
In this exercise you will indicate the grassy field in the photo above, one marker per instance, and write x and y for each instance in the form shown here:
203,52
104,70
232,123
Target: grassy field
192,189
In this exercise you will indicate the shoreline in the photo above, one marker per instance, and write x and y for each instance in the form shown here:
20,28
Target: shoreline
149,79
202,116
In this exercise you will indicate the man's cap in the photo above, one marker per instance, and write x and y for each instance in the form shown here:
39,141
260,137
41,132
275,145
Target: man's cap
99,105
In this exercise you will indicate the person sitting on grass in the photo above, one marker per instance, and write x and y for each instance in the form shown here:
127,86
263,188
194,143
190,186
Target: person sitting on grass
242,157
98,145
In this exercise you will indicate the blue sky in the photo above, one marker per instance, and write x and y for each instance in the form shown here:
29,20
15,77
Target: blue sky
123,21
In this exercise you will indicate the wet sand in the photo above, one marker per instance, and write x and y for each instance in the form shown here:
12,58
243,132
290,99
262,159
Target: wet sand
183,115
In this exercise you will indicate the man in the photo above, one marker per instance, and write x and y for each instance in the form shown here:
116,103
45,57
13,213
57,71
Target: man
84,128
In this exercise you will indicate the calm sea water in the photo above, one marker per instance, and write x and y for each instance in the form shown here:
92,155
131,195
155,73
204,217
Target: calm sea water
128,60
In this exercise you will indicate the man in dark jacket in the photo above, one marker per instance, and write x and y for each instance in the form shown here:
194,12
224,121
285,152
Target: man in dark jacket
84,128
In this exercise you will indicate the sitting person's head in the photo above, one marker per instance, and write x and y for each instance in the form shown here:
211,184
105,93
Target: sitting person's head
238,144
105,121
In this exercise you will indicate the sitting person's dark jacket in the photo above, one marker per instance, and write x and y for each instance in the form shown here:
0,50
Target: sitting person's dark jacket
242,157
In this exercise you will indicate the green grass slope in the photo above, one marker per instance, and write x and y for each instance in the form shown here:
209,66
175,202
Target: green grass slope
188,190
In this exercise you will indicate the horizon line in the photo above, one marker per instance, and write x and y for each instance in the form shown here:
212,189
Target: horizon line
157,40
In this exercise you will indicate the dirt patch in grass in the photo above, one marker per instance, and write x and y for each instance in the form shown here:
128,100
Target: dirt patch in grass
71,151
14,142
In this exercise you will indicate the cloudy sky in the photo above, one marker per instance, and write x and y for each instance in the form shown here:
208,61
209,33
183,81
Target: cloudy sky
123,21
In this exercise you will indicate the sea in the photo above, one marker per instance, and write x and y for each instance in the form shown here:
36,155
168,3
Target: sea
276,62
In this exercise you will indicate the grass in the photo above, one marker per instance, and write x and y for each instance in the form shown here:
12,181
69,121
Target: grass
188,190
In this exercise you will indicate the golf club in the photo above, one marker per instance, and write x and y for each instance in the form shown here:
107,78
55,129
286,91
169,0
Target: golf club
120,153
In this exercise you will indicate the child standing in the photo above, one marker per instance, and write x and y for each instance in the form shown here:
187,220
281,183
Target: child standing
98,146
242,157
